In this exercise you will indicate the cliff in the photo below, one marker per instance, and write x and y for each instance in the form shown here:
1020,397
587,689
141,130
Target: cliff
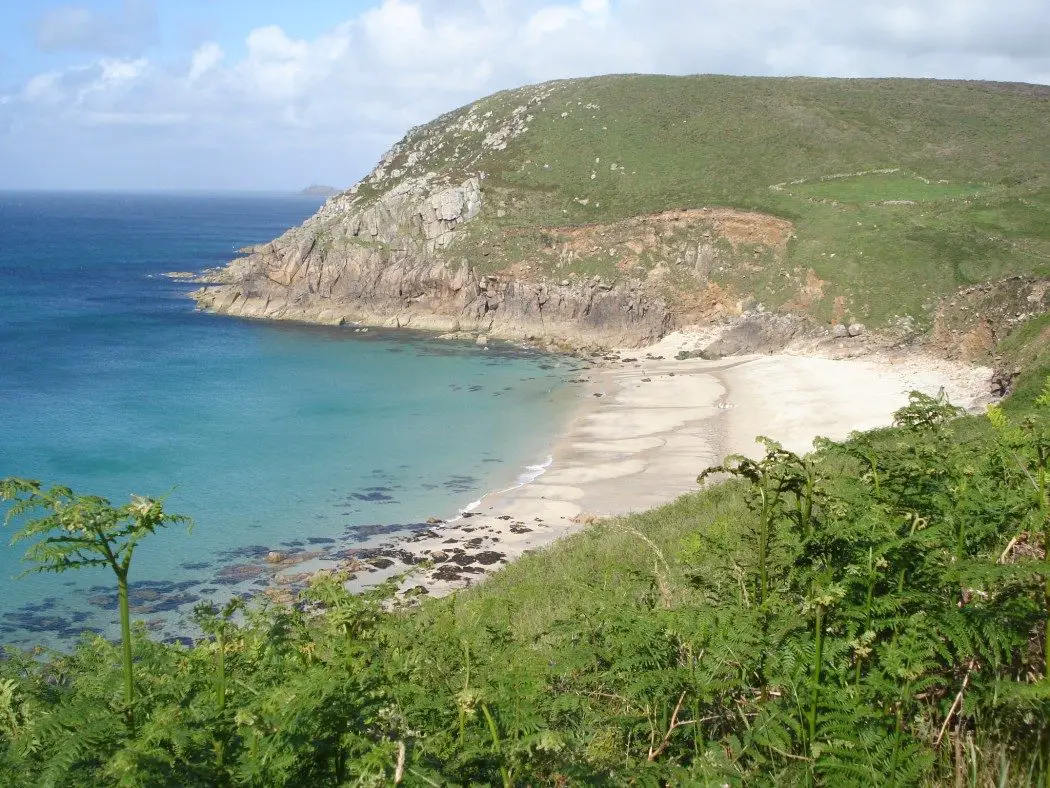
609,211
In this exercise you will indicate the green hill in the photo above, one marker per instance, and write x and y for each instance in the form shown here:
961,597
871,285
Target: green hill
692,198
899,190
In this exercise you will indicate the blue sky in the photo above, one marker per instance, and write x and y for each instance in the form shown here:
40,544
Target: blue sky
31,38
274,94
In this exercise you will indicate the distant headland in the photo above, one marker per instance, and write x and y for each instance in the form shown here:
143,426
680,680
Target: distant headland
320,190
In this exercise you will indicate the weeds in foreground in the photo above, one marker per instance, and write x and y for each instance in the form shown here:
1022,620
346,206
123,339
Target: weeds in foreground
872,613
78,531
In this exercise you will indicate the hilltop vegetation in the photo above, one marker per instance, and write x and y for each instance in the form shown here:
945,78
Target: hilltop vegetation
899,191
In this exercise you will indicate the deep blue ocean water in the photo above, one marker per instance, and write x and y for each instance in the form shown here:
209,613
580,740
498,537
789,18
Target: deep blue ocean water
269,435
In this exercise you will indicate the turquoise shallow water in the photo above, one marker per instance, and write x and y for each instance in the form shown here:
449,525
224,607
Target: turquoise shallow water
271,436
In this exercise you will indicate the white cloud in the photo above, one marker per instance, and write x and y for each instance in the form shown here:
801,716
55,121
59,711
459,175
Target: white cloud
207,57
278,68
43,88
549,20
395,30
83,87
557,18
323,108
115,72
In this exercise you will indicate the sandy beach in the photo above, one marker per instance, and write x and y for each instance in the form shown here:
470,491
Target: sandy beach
645,427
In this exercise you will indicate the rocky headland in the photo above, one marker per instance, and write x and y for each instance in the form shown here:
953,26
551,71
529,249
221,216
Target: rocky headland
609,212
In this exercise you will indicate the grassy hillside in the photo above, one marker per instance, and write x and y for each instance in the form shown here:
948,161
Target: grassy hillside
956,190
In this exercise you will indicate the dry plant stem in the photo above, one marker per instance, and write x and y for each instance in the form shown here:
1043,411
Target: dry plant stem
790,755
661,578
607,695
399,770
955,705
634,532
1009,548
655,753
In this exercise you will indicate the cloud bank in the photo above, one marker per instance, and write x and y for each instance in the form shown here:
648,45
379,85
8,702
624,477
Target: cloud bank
291,111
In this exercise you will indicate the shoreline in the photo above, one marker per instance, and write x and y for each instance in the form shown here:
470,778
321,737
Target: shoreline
643,429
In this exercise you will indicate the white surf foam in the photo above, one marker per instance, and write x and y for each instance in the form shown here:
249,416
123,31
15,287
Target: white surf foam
529,475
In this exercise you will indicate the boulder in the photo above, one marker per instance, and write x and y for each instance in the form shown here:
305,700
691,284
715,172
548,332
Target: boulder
279,595
293,578
1002,382
856,329
756,332
481,341
274,557
840,331
239,572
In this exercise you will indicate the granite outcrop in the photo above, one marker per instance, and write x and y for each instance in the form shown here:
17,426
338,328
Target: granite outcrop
388,263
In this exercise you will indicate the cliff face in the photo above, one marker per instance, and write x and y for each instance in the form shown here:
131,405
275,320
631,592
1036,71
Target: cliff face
402,283
398,249
392,263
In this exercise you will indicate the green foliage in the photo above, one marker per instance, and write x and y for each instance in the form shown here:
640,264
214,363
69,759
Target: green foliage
85,530
80,530
872,613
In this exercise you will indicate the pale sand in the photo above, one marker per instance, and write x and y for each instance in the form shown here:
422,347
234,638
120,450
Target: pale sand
657,424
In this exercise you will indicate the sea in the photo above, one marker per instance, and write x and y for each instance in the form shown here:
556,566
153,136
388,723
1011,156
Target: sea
270,436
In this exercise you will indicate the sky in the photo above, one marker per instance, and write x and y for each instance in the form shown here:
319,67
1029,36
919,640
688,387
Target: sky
273,95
